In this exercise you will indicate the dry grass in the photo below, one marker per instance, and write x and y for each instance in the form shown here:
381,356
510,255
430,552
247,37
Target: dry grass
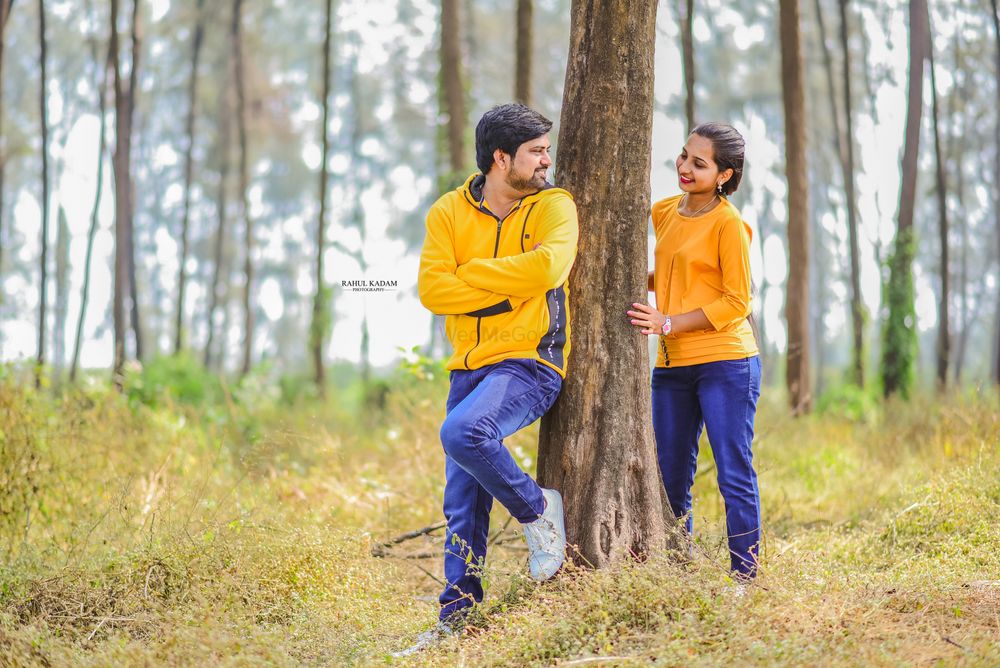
242,535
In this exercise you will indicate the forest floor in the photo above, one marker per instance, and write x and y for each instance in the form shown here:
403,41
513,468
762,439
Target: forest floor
149,531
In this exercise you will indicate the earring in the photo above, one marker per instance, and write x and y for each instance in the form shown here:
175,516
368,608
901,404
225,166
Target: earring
720,188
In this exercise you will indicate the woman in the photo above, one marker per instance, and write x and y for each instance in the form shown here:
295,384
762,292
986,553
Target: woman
707,369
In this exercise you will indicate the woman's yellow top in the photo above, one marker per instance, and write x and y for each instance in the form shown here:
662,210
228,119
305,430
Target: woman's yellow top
703,262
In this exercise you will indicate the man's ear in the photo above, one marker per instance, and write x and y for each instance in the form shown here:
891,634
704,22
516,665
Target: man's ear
501,159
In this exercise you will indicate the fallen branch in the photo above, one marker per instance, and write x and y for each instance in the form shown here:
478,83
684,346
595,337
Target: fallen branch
381,549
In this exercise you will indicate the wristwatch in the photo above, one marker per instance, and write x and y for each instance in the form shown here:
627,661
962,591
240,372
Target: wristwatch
666,325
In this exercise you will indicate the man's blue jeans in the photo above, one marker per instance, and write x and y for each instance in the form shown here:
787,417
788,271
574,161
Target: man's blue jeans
722,396
485,406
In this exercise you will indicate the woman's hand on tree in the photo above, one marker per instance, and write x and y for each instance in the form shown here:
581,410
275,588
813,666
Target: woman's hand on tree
647,319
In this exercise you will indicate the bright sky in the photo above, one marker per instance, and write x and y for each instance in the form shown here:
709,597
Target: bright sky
396,319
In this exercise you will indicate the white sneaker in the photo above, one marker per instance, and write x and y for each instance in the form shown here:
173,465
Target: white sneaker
429,638
546,538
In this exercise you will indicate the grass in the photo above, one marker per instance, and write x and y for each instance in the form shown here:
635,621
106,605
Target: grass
239,532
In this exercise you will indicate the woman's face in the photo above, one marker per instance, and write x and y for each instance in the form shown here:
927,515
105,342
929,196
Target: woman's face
696,169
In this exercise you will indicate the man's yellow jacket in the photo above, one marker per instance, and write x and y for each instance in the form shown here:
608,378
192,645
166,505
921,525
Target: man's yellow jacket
501,283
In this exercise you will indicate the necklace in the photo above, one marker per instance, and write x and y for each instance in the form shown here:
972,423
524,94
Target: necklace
695,214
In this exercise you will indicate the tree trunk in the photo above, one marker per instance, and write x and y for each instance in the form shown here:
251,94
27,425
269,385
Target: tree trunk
122,195
847,169
900,339
62,294
453,87
596,444
943,349
133,86
321,304
820,281
241,129
5,7
687,55
220,205
797,374
199,32
956,151
996,194
522,48
44,116
102,86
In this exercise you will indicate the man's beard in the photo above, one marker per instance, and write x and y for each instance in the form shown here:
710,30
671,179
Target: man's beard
521,184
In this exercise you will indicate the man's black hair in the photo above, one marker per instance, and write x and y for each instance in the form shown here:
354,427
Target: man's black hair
506,127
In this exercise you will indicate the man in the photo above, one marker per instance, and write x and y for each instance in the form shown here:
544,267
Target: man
495,261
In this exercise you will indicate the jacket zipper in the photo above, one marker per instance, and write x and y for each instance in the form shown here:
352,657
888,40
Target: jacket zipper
496,250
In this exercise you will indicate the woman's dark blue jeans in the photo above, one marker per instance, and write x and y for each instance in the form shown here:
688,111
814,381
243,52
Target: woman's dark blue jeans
484,406
722,396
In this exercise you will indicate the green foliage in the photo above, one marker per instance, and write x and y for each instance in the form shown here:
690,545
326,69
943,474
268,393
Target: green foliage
899,336
847,400
23,467
178,378
172,534
322,322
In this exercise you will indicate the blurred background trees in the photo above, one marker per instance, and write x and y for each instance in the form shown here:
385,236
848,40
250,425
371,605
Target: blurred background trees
262,154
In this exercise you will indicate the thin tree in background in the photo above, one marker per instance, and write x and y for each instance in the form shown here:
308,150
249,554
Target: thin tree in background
819,246
360,173
453,89
133,284
687,55
221,199
61,310
846,144
321,303
122,193
523,45
899,346
101,79
196,42
956,154
5,7
451,100
244,175
943,348
797,374
595,445
44,118
996,192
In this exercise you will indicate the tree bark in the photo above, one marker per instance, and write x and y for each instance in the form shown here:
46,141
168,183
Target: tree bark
62,294
102,86
596,444
220,205
133,285
454,88
44,116
522,48
817,241
996,194
122,196
797,375
199,32
956,151
847,169
943,348
244,174
321,304
900,339
687,54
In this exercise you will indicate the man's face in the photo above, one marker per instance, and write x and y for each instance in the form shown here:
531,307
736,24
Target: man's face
527,171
